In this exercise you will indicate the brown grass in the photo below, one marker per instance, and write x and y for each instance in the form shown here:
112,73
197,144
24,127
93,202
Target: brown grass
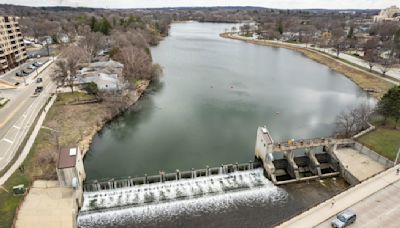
369,82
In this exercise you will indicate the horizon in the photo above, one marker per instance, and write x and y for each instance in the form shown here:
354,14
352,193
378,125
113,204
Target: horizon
159,4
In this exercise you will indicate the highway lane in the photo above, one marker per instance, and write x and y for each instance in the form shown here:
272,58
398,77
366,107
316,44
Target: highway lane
16,121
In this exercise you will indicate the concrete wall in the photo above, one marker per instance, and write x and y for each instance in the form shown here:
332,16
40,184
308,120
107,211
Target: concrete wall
373,155
65,176
352,180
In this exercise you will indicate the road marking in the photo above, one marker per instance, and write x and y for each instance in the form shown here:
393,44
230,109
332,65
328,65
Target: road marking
15,126
7,140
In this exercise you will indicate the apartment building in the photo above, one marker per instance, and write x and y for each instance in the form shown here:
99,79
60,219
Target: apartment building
12,48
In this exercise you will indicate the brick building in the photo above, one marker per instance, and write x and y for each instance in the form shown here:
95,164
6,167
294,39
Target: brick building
12,48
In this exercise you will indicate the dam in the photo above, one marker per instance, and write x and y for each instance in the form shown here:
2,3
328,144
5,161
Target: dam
119,196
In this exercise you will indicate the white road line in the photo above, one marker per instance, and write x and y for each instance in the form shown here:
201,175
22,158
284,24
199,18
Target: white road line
15,126
7,140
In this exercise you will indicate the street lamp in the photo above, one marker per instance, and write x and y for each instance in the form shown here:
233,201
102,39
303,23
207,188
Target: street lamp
56,134
397,157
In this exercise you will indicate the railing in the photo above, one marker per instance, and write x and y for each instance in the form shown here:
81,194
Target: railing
309,143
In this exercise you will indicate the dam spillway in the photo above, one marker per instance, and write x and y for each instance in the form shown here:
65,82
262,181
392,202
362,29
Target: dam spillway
121,205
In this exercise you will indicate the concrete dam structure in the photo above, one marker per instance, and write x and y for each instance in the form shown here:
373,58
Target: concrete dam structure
275,164
301,160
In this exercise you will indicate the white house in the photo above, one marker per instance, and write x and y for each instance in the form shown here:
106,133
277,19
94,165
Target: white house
107,75
63,38
103,81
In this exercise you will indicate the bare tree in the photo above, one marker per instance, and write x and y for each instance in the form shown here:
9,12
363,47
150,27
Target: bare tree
386,64
137,64
352,121
338,39
60,73
68,65
370,52
92,43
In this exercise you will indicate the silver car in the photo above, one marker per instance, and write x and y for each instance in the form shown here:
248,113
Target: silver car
344,219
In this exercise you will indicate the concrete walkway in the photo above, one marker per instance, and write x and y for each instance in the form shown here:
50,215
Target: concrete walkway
47,205
359,165
331,207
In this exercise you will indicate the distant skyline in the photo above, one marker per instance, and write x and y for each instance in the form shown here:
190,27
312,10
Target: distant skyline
281,4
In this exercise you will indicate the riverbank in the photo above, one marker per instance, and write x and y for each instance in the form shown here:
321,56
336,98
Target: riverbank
70,121
374,84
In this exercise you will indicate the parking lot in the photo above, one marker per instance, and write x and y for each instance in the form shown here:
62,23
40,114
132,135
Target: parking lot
11,78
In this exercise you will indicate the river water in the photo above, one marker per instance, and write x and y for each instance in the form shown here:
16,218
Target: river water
205,110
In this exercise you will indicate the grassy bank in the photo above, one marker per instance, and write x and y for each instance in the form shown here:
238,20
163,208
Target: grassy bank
70,121
374,85
385,140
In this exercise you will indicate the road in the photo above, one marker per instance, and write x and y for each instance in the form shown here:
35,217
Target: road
381,209
376,200
18,115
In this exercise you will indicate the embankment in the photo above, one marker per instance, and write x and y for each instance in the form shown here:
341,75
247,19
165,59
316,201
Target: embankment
374,84
86,141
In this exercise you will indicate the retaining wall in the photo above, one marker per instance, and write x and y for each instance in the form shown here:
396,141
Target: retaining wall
373,155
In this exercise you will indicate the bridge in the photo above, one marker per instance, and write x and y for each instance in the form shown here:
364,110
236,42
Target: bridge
284,162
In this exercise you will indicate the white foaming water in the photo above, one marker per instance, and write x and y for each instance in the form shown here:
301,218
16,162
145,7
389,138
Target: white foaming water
165,200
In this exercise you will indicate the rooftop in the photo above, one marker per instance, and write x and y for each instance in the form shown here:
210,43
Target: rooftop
67,157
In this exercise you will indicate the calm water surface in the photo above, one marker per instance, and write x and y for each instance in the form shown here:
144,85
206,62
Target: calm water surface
205,111
214,94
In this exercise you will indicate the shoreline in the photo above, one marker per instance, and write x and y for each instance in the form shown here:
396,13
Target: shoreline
373,84
86,141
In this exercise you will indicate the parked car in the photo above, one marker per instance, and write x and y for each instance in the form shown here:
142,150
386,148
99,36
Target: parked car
39,80
31,67
344,219
20,74
27,71
37,64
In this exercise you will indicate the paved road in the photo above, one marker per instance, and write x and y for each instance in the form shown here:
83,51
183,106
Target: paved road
18,115
381,209
361,197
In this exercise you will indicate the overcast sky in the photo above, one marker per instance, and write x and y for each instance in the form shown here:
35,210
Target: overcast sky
282,4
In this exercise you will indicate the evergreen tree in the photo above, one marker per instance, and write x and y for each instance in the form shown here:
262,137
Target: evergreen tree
93,23
389,105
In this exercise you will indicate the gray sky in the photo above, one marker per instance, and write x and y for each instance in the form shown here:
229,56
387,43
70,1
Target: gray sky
282,4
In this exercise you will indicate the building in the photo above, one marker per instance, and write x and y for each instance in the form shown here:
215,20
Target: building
107,75
12,48
390,14
63,38
70,170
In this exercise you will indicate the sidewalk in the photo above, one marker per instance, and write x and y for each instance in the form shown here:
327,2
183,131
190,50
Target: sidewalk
47,205
331,207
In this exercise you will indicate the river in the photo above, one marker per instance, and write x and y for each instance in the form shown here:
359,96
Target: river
205,110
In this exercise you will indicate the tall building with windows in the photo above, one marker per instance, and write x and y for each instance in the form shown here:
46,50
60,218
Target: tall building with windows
12,48
390,14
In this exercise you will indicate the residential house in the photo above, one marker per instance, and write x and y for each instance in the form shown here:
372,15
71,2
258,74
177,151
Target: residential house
106,74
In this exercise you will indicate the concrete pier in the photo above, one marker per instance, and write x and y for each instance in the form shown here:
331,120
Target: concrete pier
293,167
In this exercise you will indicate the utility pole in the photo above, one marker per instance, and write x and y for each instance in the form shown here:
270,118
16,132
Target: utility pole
397,157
